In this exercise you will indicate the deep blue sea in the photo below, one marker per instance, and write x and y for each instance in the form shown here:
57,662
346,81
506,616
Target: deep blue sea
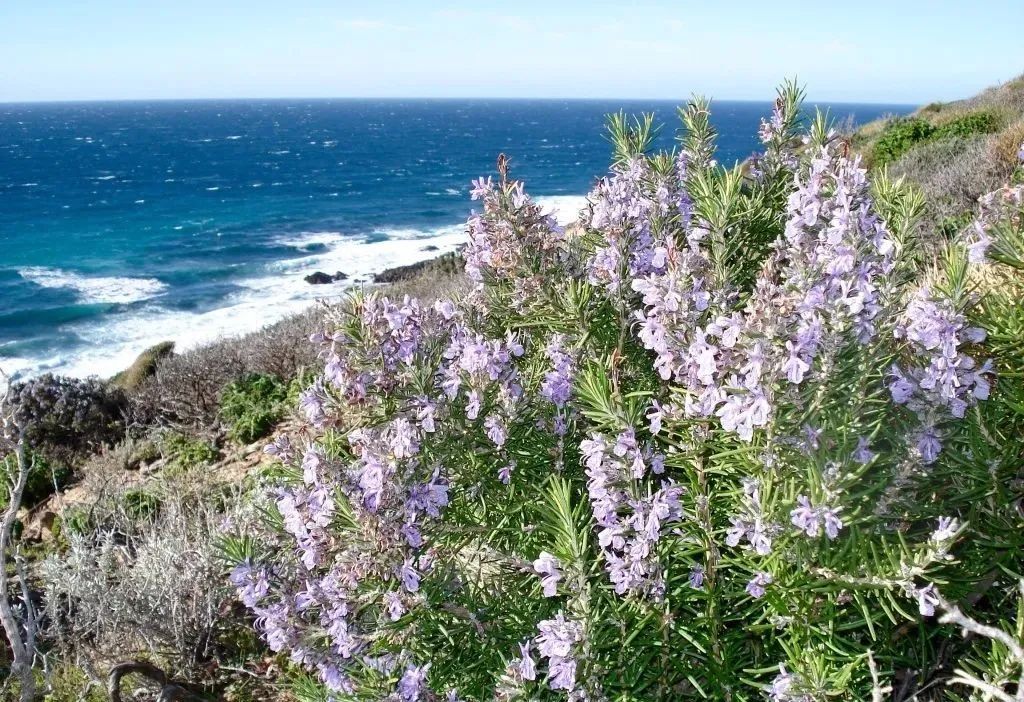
125,224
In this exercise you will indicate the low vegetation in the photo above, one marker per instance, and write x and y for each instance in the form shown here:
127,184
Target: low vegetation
253,405
953,152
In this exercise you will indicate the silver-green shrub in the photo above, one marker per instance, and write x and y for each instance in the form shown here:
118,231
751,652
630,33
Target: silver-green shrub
726,438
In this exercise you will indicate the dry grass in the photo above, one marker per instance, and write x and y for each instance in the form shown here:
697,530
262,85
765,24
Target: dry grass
1005,146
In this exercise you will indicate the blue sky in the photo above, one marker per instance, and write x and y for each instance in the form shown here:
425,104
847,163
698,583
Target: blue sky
893,51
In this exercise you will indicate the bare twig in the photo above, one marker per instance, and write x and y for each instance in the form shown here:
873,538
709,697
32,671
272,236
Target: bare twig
968,625
878,692
21,635
169,689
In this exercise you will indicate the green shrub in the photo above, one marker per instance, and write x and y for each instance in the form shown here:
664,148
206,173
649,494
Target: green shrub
982,122
74,520
145,451
952,225
186,453
899,137
904,134
44,478
251,406
140,505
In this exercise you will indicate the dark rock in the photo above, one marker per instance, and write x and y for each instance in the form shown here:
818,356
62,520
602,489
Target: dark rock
321,278
430,247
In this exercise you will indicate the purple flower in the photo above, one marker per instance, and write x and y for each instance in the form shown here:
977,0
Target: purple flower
863,453
548,567
495,430
928,445
810,520
655,415
473,405
697,577
977,249
794,367
562,674
334,679
412,535
833,524
250,582
525,665
481,188
557,384
505,472
806,518
412,686
782,688
394,605
946,530
758,584
311,462
404,438
311,401
557,641
409,576
281,447
927,598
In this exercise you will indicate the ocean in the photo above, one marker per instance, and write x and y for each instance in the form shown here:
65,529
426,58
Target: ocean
126,224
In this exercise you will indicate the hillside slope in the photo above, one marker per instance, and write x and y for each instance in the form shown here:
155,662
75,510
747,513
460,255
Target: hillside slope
954,151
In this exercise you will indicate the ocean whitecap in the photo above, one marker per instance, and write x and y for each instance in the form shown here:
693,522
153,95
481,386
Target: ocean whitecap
95,289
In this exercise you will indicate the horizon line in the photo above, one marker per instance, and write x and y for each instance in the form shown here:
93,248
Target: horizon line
82,101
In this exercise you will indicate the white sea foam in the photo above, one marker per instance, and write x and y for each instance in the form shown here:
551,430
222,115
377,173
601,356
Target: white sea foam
95,289
307,240
566,208
110,345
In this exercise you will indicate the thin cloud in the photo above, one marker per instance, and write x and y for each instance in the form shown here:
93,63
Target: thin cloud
370,25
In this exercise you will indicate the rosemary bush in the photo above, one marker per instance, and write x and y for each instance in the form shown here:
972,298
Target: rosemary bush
726,438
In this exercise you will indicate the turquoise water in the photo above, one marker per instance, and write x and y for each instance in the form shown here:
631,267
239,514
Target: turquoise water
124,224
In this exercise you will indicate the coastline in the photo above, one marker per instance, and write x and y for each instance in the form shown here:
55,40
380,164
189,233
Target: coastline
113,345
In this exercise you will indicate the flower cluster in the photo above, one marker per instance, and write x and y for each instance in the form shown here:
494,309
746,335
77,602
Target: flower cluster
785,686
821,289
824,284
631,516
549,568
558,640
630,209
811,520
753,525
995,207
383,484
941,381
510,231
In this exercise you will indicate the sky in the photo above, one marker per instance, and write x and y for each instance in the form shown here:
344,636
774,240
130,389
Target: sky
891,51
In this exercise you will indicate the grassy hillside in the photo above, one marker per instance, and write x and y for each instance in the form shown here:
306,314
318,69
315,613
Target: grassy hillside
953,151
